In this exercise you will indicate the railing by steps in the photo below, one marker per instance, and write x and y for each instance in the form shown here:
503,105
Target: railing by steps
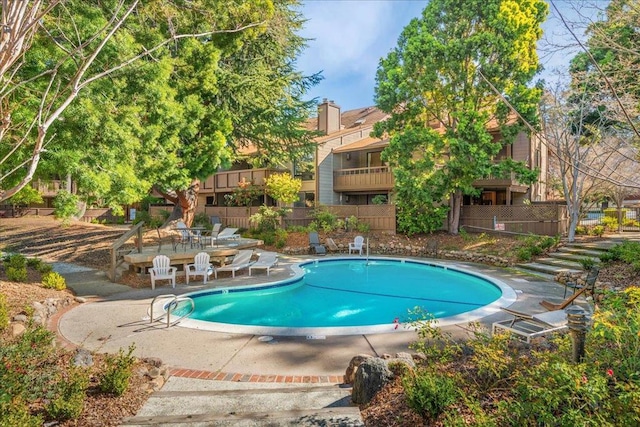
117,253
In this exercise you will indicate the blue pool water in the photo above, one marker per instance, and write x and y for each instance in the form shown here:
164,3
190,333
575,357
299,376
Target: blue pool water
349,293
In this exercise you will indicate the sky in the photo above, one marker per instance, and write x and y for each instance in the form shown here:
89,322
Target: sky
348,38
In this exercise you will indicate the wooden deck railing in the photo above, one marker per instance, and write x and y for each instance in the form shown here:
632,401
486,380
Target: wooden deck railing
117,254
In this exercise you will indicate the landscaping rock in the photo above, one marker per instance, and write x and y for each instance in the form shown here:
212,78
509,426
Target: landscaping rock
22,318
350,373
17,329
83,358
371,376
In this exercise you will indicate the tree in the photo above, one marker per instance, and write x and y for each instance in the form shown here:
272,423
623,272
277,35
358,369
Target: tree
590,159
53,51
172,122
283,187
444,85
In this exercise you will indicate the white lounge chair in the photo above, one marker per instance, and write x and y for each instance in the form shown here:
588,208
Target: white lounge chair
528,326
162,270
357,244
241,261
226,234
211,236
200,267
265,261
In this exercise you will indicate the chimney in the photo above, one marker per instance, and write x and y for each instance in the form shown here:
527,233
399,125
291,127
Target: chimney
329,117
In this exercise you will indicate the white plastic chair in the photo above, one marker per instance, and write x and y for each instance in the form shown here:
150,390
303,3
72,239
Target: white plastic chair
200,267
212,235
265,261
240,261
357,244
162,270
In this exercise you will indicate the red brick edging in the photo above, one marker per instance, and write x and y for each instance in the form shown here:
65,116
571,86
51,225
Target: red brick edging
256,378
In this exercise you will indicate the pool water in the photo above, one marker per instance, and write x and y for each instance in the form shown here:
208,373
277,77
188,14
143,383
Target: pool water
350,292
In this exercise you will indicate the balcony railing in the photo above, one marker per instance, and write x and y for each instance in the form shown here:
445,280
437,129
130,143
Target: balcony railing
508,179
49,188
378,178
228,180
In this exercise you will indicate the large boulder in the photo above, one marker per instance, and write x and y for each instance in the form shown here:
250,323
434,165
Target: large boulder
350,373
372,374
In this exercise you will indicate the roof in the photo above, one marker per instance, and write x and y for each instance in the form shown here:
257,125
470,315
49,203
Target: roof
367,143
352,119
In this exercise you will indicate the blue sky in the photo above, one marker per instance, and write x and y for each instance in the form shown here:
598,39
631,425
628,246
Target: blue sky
350,37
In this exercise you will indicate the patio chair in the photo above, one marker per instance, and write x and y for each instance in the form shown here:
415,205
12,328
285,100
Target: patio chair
356,245
527,326
162,270
241,261
226,234
186,236
578,290
314,244
200,267
265,261
211,236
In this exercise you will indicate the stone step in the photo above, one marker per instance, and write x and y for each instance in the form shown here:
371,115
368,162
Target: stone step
548,269
546,276
224,403
587,252
573,257
559,263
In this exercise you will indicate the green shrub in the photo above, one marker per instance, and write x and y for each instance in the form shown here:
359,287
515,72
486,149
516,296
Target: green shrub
115,377
380,199
202,220
587,263
4,312
626,251
65,205
610,223
323,220
281,238
581,230
363,227
429,393
613,213
45,268
17,261
351,223
16,274
53,280
69,396
598,230
15,412
149,221
266,219
524,253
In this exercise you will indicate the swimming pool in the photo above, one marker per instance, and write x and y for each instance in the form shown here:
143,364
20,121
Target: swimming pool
350,296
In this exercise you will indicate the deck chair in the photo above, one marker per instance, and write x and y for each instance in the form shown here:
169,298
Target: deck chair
578,290
211,236
314,244
356,245
527,326
227,233
265,261
201,267
186,236
162,270
241,261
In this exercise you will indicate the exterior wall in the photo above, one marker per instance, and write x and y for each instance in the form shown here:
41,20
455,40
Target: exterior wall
521,150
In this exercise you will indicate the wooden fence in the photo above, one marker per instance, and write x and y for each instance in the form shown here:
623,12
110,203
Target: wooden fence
542,219
379,217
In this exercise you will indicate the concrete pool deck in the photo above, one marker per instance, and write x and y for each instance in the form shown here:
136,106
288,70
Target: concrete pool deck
113,318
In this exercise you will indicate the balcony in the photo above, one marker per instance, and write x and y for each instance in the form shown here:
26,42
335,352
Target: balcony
377,178
506,181
228,181
49,188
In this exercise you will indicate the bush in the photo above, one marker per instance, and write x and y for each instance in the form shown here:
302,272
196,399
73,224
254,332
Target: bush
65,205
266,219
281,238
70,393
16,274
610,223
524,254
598,230
115,378
587,263
149,221
429,393
53,280
15,412
380,199
323,220
581,230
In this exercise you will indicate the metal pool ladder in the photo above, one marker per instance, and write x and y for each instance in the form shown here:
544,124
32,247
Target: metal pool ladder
170,307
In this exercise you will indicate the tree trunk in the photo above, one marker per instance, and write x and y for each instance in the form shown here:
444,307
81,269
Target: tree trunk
185,203
455,204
